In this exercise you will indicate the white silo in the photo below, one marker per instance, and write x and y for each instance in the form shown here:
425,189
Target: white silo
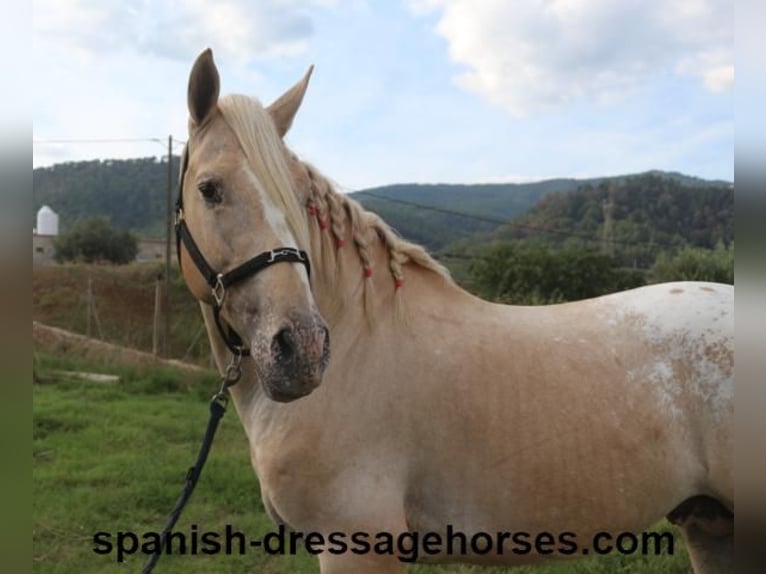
47,221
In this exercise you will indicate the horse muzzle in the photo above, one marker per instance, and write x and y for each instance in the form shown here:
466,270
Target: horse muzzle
291,362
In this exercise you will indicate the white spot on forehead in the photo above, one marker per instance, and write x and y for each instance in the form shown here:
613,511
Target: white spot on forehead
276,220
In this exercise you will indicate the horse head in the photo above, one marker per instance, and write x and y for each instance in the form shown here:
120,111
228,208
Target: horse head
241,242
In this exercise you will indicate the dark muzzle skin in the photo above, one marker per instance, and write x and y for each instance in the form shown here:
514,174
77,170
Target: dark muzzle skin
293,362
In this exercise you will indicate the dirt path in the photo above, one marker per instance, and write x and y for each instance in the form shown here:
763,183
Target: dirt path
59,341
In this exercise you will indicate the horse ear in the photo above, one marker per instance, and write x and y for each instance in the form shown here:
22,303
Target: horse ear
283,109
204,85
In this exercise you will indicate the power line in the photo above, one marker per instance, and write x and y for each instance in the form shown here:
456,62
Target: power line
477,217
94,140
499,221
54,141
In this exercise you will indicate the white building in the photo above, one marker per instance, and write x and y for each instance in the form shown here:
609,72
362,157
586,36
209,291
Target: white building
44,233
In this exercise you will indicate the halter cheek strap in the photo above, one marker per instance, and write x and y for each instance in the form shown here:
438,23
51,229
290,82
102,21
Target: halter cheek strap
220,282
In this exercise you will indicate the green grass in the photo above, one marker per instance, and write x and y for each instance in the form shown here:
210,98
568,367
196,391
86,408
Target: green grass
111,457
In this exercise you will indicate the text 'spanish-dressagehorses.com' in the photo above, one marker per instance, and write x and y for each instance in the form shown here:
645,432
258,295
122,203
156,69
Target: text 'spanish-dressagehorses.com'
436,408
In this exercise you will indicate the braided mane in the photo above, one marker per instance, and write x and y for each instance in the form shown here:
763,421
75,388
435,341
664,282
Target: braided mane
338,214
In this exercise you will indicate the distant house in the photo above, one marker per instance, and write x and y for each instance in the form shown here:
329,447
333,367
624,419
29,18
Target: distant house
47,229
42,249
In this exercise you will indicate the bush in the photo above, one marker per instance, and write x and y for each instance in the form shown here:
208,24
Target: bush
524,275
94,240
696,264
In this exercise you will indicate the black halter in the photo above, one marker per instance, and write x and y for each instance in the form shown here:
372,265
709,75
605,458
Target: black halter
220,282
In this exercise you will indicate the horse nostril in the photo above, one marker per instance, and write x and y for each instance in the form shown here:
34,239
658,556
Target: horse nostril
283,346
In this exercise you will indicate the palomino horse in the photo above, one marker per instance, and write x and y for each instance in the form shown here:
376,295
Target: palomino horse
439,413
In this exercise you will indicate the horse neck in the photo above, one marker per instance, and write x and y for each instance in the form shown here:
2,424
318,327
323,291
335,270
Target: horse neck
359,261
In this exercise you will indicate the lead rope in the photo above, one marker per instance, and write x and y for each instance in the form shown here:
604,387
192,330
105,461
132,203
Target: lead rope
218,404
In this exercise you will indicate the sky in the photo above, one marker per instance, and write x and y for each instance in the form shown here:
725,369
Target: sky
452,91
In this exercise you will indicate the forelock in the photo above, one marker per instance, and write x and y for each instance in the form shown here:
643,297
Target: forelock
266,156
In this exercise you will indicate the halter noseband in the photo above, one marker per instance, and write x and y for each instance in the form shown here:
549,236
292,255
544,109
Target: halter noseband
220,282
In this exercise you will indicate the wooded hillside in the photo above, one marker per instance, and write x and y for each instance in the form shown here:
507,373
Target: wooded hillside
658,206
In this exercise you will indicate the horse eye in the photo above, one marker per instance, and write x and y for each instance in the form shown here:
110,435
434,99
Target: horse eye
210,191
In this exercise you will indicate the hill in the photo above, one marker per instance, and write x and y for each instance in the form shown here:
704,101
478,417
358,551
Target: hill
133,194
423,212
632,217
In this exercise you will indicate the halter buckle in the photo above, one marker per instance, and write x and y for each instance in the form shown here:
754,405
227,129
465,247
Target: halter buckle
219,291
274,253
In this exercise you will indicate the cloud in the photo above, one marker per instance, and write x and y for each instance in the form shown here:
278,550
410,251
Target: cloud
240,29
530,55
714,68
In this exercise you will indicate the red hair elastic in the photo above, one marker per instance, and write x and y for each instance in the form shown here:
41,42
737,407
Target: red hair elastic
368,272
398,282
339,242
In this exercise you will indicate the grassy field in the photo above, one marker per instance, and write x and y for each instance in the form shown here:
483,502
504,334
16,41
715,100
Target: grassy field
110,457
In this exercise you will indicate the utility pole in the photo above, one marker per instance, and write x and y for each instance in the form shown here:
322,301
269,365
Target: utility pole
607,239
158,291
88,306
168,227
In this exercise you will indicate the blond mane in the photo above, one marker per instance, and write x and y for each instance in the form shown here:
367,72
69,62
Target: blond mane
323,219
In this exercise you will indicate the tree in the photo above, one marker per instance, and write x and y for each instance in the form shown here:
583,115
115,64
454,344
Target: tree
513,273
94,240
696,264
649,212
